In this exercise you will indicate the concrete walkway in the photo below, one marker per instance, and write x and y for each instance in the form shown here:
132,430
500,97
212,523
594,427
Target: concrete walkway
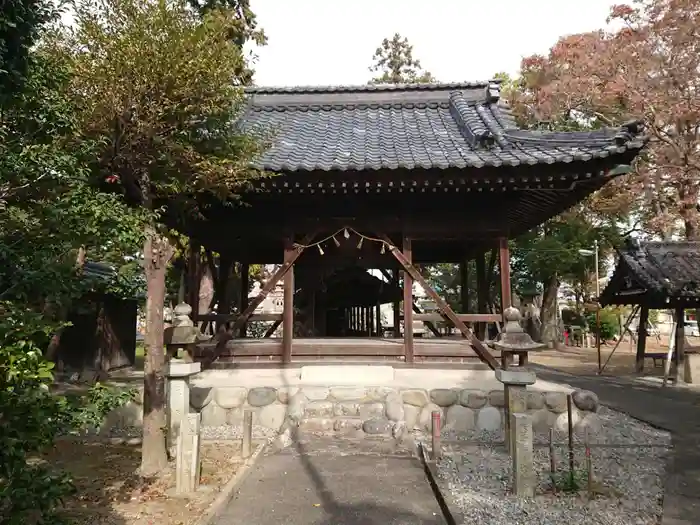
327,482
676,410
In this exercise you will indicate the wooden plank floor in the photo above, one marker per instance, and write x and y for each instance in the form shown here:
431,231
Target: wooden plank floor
269,350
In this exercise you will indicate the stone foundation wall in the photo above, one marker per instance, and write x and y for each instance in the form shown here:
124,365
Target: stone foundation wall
378,410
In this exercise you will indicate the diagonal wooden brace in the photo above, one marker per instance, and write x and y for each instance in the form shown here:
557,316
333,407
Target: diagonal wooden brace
416,309
224,336
443,308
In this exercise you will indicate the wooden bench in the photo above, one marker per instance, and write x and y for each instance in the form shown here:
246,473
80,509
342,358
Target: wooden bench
657,356
661,356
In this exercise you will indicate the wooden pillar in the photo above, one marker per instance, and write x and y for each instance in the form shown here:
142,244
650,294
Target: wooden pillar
504,259
481,294
370,320
641,338
408,303
464,286
679,353
243,301
396,306
288,307
378,315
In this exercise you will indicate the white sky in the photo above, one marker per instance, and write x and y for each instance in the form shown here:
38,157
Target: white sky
322,42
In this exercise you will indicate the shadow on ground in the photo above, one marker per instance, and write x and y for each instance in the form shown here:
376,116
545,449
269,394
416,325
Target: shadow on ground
319,480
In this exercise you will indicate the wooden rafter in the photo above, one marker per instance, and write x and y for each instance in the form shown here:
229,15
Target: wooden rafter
444,309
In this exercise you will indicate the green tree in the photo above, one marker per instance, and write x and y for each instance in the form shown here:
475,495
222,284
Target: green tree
157,89
47,211
244,28
21,22
394,63
548,255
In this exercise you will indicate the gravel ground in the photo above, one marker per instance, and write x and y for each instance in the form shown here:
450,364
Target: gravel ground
628,481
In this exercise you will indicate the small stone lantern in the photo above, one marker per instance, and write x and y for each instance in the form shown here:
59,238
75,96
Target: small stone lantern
181,334
514,341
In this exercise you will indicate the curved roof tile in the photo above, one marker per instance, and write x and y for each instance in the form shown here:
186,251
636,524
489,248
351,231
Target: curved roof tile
373,127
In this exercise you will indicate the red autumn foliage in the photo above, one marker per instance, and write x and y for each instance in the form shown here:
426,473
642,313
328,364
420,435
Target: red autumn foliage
646,64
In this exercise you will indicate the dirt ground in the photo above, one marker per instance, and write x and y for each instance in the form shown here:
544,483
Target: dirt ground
110,491
584,361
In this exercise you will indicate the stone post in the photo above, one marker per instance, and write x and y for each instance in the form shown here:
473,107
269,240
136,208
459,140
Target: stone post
524,479
187,458
178,394
515,383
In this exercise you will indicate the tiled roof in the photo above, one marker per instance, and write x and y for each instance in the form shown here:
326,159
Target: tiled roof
655,271
411,126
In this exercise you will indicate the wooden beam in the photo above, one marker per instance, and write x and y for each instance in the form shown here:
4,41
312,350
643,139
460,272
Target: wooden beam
641,338
230,318
288,313
443,307
272,328
407,302
504,260
465,318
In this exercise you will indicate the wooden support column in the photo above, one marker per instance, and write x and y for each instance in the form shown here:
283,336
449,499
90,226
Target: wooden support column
396,305
464,286
243,301
408,303
288,305
443,308
504,260
679,353
641,338
481,293
378,315
370,320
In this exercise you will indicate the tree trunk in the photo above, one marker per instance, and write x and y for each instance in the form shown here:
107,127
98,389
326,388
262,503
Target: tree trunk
157,253
206,291
550,328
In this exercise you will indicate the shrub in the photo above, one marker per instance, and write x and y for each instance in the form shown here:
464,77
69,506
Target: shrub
31,418
609,323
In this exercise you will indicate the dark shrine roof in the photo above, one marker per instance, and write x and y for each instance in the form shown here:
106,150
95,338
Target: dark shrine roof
658,274
373,127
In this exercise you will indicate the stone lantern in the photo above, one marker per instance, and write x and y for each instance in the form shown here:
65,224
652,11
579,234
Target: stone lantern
512,342
182,334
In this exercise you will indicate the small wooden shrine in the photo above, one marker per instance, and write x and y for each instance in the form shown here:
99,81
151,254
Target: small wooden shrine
387,178
656,276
